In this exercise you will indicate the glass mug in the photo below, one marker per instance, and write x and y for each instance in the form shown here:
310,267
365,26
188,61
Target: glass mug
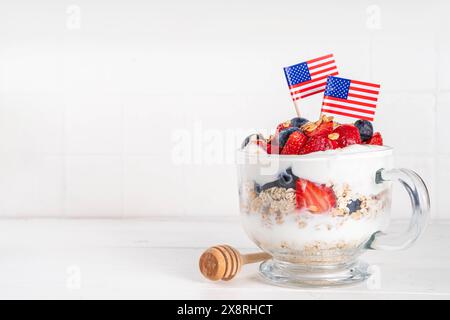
316,214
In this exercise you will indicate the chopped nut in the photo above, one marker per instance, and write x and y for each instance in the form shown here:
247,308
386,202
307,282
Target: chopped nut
302,224
325,118
309,127
333,136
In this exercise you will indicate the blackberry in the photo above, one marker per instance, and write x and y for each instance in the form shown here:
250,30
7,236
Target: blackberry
365,129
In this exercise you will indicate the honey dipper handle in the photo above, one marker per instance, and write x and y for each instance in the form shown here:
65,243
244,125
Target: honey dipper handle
255,257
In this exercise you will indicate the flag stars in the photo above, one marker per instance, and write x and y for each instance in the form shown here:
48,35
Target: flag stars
297,73
337,87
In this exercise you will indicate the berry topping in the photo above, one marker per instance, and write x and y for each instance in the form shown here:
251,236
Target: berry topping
365,129
283,136
354,205
312,136
298,122
256,137
295,143
348,135
313,197
376,139
317,143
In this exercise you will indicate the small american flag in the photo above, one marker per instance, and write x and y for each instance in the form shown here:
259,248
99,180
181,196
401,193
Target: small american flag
310,77
350,98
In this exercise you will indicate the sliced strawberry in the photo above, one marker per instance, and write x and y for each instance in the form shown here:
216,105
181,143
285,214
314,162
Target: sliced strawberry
323,129
299,192
376,139
317,143
348,135
295,143
315,198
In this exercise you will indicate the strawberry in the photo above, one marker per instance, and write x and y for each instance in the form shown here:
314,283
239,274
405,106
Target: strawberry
272,145
299,193
295,143
348,135
315,198
334,144
323,129
317,143
376,139
283,126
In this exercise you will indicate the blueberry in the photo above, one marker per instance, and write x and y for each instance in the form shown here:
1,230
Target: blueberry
284,136
257,188
285,180
298,122
354,205
365,129
269,185
289,171
253,137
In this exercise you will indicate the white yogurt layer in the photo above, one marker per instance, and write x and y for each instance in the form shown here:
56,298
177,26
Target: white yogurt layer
354,165
315,228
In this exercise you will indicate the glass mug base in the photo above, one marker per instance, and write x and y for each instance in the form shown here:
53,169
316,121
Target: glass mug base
293,275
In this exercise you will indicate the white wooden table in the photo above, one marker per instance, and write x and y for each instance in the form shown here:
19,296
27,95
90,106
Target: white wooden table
157,259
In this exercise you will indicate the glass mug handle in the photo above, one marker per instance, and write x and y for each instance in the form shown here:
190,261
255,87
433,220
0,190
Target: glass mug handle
420,203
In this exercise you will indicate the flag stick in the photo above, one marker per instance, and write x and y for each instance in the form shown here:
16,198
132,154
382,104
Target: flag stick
297,108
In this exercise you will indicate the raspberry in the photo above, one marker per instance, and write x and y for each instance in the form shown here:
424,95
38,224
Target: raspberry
376,139
295,143
348,135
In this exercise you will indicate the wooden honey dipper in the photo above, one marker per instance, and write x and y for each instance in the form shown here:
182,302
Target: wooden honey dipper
224,262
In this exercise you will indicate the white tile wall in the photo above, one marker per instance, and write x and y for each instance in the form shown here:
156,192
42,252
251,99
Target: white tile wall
92,114
93,186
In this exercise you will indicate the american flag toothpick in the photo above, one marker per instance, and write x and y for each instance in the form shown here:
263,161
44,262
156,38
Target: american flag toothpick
350,98
308,78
